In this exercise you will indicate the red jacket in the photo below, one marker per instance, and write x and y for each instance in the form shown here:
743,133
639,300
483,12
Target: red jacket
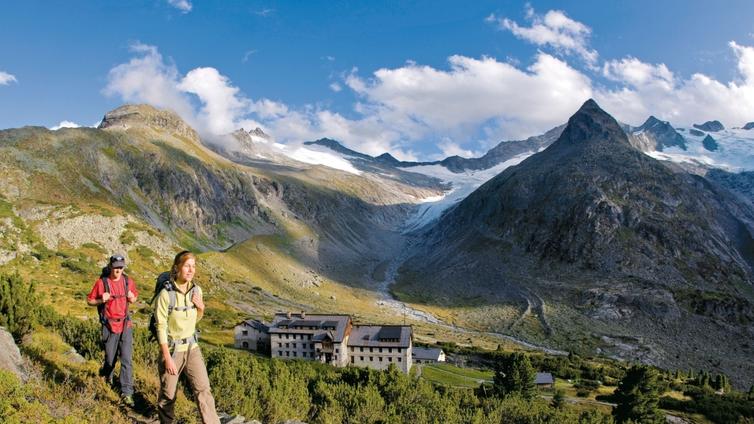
117,306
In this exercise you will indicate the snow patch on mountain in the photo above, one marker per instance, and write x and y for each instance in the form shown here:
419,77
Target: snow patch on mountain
735,150
462,184
319,157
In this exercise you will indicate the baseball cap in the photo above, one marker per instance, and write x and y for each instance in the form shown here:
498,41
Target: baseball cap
118,260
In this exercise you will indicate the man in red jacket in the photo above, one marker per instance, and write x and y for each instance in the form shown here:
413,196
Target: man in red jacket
111,294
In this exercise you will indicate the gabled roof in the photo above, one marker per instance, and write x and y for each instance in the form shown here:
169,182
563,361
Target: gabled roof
543,378
314,324
426,353
380,336
259,325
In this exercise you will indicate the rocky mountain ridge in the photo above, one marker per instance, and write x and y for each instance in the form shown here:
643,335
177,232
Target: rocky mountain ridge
593,225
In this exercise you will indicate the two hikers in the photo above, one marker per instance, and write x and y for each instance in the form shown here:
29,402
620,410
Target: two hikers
112,292
179,305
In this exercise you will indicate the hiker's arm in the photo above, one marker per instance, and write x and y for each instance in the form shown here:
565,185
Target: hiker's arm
161,320
133,292
161,317
198,301
97,296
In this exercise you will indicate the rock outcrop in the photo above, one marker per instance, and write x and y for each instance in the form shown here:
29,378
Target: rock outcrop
710,126
10,356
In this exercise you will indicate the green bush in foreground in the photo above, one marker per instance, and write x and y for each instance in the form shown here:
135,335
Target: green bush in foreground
18,302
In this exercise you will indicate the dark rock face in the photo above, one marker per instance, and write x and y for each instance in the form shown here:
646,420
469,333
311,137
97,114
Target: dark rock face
710,126
654,134
593,225
593,201
749,126
709,143
696,132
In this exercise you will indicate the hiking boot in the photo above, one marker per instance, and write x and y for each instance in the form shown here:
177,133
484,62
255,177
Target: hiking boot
128,401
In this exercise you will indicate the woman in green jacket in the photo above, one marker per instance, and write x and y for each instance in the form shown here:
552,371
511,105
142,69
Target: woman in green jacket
176,333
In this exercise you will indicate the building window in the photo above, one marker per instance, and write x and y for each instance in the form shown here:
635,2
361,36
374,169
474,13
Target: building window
280,345
312,345
287,345
294,353
336,357
245,333
361,349
361,358
390,359
380,350
337,350
286,336
245,344
280,353
352,359
309,337
399,350
371,358
390,350
380,358
399,359
287,353
371,349
293,345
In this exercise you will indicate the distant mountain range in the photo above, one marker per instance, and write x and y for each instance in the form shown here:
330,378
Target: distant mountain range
598,237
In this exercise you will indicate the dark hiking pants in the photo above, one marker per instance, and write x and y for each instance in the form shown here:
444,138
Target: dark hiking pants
119,344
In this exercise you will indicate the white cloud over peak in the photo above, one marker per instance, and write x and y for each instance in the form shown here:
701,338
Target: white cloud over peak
648,89
184,6
554,29
65,124
417,111
222,103
6,78
146,78
421,100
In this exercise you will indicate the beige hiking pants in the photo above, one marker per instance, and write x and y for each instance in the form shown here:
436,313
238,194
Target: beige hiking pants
192,363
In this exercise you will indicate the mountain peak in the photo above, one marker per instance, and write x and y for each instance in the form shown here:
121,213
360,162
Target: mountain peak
143,115
710,126
388,159
591,125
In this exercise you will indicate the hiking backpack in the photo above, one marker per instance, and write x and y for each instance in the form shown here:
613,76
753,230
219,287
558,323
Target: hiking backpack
164,282
105,277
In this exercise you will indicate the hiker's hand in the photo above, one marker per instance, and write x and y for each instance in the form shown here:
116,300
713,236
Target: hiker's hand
131,296
198,302
105,297
170,366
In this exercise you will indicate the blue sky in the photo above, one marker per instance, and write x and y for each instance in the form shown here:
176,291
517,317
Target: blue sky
421,79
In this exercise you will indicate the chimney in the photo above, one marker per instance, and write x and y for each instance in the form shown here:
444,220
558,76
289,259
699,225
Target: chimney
303,315
288,314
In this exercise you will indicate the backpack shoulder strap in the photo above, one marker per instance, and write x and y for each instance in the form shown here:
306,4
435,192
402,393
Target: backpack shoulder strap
125,282
106,283
171,303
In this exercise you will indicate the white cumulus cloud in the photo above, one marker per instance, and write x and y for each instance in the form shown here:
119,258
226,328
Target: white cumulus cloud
65,124
6,78
652,89
184,6
554,29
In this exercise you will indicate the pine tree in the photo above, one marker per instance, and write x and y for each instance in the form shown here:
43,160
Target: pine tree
17,305
638,397
751,392
515,374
